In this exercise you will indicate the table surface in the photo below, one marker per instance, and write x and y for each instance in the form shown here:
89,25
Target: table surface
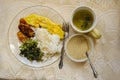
106,56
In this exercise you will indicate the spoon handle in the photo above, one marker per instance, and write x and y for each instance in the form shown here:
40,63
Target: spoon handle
93,69
61,57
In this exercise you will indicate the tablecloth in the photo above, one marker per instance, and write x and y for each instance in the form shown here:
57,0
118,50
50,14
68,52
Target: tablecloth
106,56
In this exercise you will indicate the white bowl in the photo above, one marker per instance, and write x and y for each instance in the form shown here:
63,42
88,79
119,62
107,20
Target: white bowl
83,8
91,47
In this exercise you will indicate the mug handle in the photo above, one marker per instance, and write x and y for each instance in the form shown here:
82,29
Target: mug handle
95,33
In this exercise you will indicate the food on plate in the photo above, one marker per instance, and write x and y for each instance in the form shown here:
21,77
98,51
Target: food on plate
26,29
22,20
48,43
22,37
41,38
77,47
30,50
83,19
40,21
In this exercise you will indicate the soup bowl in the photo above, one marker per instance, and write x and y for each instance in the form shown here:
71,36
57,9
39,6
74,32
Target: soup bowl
89,51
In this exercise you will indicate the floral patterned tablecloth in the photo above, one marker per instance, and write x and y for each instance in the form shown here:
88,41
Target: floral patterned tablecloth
106,57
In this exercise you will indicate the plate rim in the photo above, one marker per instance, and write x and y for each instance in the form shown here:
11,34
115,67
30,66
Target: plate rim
8,38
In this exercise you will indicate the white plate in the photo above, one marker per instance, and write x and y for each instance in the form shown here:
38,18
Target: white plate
13,29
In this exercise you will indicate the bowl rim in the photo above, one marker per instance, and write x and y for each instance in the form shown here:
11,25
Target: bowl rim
81,8
90,51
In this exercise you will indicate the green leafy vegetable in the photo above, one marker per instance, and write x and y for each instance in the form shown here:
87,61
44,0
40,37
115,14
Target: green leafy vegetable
30,50
85,23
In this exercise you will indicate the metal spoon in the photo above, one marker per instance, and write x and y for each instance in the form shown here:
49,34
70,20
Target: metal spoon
93,69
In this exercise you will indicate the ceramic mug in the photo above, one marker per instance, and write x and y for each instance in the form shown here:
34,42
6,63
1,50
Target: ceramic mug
92,30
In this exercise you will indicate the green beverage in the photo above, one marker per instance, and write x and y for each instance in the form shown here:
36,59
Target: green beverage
83,19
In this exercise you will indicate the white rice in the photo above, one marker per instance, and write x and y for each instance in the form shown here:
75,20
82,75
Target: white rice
48,43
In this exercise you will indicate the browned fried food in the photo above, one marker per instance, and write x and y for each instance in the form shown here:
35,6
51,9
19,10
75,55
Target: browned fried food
22,37
22,20
25,28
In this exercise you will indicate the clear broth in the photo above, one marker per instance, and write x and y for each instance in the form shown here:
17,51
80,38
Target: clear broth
83,19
